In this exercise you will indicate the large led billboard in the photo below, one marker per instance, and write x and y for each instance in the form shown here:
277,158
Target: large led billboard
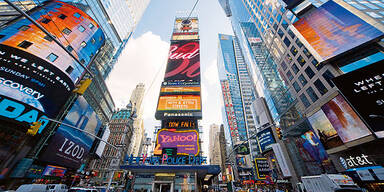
324,129
180,90
346,122
265,139
262,168
183,62
178,106
186,29
332,30
365,84
186,141
69,147
35,72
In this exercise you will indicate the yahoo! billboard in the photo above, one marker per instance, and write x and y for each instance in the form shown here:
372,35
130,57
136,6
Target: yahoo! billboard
183,62
186,141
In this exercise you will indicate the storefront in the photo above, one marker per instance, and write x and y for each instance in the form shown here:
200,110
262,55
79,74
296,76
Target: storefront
176,178
364,164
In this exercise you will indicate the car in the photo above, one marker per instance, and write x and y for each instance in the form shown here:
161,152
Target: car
57,188
81,189
32,188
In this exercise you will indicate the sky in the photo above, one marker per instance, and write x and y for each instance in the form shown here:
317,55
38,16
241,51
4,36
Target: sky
144,59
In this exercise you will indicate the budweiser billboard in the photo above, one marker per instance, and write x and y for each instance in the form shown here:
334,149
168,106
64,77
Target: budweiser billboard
183,62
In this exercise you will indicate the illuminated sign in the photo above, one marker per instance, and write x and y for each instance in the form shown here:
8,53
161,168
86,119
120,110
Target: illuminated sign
183,62
179,124
242,149
332,30
55,171
69,147
186,26
356,161
165,159
265,139
365,84
179,102
346,122
186,141
172,89
262,168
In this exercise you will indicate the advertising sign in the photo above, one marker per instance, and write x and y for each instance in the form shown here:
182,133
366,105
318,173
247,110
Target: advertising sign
313,147
55,171
262,168
183,61
69,147
365,84
324,129
186,29
346,122
186,142
281,159
182,90
33,81
242,149
265,139
332,30
179,124
178,106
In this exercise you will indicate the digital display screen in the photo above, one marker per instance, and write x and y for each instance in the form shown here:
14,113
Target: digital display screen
186,141
179,124
332,30
69,147
265,139
179,102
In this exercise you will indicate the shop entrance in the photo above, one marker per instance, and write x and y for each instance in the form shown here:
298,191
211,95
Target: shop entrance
162,186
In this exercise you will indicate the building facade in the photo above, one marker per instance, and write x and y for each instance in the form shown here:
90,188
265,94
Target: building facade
138,125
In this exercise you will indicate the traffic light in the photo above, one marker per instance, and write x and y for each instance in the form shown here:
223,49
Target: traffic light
34,128
82,86
278,132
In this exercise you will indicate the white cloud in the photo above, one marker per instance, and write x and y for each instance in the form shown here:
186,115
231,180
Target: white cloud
142,59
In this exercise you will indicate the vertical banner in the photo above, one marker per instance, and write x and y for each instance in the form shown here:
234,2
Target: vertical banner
281,159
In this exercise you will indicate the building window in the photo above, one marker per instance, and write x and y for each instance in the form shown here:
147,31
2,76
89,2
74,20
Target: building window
93,41
320,87
45,20
62,16
289,75
281,33
296,86
81,28
302,80
304,100
328,76
67,31
293,50
82,61
295,69
311,93
69,48
301,60
309,72
287,42
283,65
91,26
25,44
77,15
83,44
52,57
24,28
298,42
69,69
1,36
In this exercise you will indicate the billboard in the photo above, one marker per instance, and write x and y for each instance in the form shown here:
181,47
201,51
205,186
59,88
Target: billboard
54,171
242,149
324,129
32,81
313,147
34,71
68,147
178,106
186,141
265,139
183,61
179,124
346,122
332,30
365,84
182,90
186,29
281,159
262,168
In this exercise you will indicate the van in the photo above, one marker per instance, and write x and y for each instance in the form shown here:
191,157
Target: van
57,188
32,188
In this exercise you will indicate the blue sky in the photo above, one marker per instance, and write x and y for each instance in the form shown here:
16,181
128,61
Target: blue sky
145,56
